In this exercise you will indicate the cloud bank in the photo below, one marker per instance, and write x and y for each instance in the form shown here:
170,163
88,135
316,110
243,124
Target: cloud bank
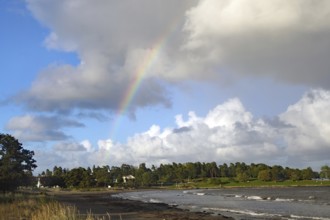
170,42
40,128
228,133
286,40
115,42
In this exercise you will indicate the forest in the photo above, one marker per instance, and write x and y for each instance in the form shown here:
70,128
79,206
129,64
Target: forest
173,174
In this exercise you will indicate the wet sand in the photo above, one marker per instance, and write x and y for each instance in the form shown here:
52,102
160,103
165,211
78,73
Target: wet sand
104,206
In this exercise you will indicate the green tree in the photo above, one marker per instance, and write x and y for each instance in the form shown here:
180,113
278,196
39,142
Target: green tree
325,172
139,181
127,169
102,176
242,172
295,174
277,173
213,169
224,170
192,170
242,177
265,175
307,174
167,173
255,168
16,163
79,177
55,178
116,175
232,170
180,172
147,179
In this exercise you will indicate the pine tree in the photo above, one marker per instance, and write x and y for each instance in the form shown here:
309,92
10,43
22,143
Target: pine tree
16,163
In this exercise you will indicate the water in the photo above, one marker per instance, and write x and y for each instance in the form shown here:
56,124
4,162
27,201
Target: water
247,203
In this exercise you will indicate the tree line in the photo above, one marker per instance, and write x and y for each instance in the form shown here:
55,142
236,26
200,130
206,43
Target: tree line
167,174
17,165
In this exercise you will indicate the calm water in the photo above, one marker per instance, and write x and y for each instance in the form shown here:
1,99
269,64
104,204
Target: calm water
255,203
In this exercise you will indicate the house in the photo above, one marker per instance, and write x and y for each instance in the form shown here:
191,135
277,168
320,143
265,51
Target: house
128,177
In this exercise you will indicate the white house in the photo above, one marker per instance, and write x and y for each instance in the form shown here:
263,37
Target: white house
128,177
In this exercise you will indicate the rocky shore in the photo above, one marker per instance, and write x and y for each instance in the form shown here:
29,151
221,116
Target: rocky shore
103,206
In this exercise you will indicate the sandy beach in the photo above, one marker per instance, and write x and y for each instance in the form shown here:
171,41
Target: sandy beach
103,205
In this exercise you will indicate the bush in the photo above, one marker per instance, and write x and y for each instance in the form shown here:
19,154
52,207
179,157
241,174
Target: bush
214,181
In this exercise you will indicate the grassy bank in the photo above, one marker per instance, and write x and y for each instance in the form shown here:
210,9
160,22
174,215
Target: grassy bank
228,182
287,183
36,207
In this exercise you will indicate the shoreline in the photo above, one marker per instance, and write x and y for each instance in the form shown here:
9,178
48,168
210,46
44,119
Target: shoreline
103,204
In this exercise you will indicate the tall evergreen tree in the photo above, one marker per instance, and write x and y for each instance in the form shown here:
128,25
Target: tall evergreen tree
16,163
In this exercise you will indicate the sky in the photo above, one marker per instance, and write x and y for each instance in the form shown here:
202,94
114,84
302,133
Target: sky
108,82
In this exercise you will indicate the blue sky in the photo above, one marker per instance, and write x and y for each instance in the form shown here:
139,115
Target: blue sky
232,81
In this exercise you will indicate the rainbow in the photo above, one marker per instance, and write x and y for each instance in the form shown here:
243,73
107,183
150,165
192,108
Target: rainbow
141,71
139,75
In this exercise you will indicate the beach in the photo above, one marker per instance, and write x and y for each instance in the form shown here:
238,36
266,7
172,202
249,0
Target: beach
104,204
246,203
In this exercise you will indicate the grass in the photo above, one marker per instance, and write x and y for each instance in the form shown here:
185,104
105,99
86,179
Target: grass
287,183
55,210
37,207
230,182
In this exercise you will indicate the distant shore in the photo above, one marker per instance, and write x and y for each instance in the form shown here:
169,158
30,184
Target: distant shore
103,204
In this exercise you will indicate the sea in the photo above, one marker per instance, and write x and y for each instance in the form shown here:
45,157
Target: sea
246,203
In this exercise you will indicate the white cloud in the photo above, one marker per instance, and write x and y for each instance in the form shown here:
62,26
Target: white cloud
116,42
233,136
228,133
213,17
227,113
308,138
68,154
51,42
69,146
172,41
287,40
40,128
